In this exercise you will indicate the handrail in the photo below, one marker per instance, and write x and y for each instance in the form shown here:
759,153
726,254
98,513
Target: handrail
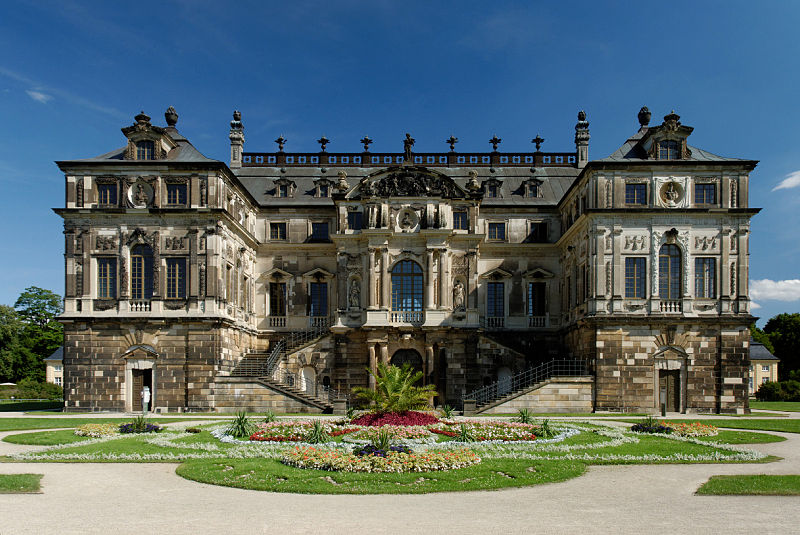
529,377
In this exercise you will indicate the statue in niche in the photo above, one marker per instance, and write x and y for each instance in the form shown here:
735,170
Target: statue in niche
458,296
671,193
141,195
354,297
405,222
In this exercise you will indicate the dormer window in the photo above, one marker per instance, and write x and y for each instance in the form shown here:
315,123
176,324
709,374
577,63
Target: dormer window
532,190
324,190
491,190
145,150
669,150
283,190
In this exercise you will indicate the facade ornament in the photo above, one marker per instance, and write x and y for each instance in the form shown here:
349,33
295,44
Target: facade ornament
734,193
367,142
671,122
79,193
281,141
538,140
105,243
495,141
705,242
635,243
408,142
203,191
609,280
341,184
472,184
323,142
452,140
609,198
733,280
644,116
171,116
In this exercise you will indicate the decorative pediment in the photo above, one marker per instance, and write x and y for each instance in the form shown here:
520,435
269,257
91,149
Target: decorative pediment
317,274
276,274
139,236
140,351
287,185
496,274
408,181
142,130
538,273
671,130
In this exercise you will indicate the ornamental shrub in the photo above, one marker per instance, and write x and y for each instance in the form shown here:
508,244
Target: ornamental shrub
395,389
241,427
651,425
140,425
779,391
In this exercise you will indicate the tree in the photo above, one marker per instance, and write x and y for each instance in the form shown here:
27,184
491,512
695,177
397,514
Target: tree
761,337
395,389
39,309
784,333
16,360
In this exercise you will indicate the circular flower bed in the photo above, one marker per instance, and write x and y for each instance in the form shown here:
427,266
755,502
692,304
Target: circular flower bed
694,429
481,431
653,429
294,430
97,430
395,418
393,461
396,432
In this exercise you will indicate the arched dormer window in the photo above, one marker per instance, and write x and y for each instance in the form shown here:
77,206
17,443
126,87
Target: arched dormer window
141,272
669,272
145,150
407,284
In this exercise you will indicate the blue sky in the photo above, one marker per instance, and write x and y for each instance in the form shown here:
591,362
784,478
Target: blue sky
74,73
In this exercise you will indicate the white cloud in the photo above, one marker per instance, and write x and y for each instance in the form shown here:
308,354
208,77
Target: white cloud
792,180
754,305
38,96
767,289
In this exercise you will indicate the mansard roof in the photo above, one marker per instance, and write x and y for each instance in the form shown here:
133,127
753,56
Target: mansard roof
758,351
632,151
184,152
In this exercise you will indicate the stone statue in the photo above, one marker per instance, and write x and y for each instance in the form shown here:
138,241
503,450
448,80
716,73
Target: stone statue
354,298
141,195
671,193
408,142
458,296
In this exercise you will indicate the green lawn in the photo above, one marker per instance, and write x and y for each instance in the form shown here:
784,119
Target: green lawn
14,424
742,437
45,438
784,426
790,406
756,485
20,483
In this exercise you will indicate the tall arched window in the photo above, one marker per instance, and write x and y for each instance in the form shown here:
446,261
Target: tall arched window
407,286
669,272
141,272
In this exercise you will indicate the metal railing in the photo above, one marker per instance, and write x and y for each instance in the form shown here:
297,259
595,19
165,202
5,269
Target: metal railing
527,378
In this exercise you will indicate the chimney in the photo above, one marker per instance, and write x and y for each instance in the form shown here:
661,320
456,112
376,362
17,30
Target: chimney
237,140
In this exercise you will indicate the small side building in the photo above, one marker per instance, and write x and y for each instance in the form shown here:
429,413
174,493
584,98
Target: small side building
54,367
763,366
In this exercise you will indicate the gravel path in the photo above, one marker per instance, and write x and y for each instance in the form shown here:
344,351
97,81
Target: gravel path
136,498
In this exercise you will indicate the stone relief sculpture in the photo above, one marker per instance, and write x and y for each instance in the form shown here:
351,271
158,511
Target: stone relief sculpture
733,279
79,193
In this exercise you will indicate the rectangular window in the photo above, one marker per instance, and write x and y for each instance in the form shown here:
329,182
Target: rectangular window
491,190
277,298
57,380
107,278
354,220
536,299
319,232
533,190
57,368
141,276
705,194
705,278
145,150
668,150
636,194
497,231
495,303
229,283
107,194
635,277
176,278
319,299
277,231
323,190
764,380
460,221
176,194
538,232
283,190
751,382
765,368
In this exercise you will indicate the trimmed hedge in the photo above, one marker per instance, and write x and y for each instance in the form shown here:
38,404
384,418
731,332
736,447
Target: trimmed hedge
21,406
779,391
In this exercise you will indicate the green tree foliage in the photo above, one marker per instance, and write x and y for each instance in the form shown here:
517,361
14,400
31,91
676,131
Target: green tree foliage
29,334
16,360
784,333
761,337
395,389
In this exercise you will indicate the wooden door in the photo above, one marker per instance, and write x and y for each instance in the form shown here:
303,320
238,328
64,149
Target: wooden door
669,383
138,384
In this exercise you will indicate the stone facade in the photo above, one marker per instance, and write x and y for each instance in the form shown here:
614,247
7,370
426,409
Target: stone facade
184,273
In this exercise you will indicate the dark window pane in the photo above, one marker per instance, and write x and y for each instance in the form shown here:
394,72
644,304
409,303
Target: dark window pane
407,286
495,304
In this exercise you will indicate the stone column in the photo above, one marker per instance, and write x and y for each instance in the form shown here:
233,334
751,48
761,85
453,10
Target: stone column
369,271
384,353
429,281
385,280
373,365
427,367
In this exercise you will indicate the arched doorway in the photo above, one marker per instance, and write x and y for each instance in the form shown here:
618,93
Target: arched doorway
407,356
308,379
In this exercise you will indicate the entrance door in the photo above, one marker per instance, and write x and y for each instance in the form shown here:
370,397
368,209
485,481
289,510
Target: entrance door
504,381
308,377
669,387
141,379
408,356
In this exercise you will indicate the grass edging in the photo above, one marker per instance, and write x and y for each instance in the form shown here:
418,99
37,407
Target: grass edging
20,483
751,485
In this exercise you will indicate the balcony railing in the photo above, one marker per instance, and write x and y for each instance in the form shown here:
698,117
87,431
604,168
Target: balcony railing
319,322
140,305
408,316
670,306
537,321
495,323
277,321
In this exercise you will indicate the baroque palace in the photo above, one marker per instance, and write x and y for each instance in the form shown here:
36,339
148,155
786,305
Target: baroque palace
538,279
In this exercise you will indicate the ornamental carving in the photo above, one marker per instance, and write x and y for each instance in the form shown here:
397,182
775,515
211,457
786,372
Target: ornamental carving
203,191
671,192
412,182
79,193
734,193
174,243
608,279
635,243
733,279
407,220
705,243
105,243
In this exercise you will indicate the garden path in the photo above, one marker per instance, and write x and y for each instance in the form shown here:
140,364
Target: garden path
134,498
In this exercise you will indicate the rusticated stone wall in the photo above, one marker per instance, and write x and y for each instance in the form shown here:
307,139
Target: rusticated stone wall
564,394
